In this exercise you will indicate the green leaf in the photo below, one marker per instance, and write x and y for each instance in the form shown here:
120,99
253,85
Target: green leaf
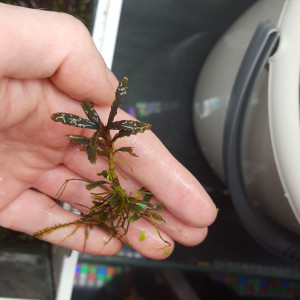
129,127
167,251
78,139
104,149
97,197
102,144
95,184
143,192
91,148
136,208
122,133
92,154
128,150
142,236
120,95
114,201
93,143
73,120
157,217
133,218
102,153
147,196
143,203
104,173
90,112
90,143
158,206
95,206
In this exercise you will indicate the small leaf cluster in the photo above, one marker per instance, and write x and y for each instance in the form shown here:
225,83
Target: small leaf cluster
100,143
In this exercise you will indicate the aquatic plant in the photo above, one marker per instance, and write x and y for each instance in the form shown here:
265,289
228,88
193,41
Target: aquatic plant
112,209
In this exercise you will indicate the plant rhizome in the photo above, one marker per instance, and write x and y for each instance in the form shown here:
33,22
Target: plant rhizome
112,209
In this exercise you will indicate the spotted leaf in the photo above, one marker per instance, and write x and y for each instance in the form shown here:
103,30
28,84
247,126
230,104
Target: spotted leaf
90,112
120,96
73,120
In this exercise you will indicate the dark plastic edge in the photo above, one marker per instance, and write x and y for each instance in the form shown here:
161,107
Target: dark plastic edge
261,47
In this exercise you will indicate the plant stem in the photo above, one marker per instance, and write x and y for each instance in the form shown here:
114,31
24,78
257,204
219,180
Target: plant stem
114,178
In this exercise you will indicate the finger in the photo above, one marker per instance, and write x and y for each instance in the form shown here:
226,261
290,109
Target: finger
161,173
33,211
53,183
144,238
171,183
10,187
57,46
180,231
76,195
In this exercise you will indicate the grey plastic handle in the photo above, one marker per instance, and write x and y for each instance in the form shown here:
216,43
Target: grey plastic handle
261,47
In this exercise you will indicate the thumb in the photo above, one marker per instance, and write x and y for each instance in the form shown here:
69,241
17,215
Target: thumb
43,44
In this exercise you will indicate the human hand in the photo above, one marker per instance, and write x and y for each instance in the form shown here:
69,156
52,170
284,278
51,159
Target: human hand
49,64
